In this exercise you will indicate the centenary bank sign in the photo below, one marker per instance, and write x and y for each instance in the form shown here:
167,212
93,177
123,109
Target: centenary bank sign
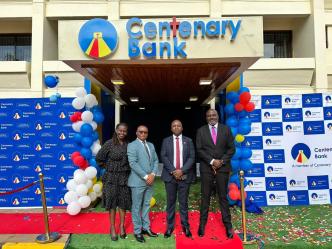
98,38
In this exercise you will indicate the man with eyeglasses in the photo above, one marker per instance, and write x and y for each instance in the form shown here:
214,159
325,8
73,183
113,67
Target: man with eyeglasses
143,161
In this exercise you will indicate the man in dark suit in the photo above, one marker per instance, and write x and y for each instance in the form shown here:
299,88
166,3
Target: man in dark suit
215,147
178,157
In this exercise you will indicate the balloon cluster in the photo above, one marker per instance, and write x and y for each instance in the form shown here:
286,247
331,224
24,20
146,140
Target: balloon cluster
52,81
84,187
237,119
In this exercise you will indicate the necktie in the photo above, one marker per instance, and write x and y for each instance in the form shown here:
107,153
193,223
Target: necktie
177,151
214,134
146,149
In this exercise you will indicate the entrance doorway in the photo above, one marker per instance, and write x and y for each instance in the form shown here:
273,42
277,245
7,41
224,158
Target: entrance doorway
158,118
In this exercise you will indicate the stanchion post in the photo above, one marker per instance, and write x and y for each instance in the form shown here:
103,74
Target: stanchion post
47,237
247,239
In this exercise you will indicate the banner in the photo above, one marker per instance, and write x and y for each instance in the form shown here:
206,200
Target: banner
35,136
291,139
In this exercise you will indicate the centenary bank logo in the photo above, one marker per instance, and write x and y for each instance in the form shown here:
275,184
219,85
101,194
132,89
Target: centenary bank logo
250,183
289,128
270,169
16,136
268,141
62,115
38,168
292,182
38,127
329,126
38,106
328,99
16,179
267,114
308,114
16,201
287,100
16,115
314,196
62,136
37,191
61,201
62,179
17,157
301,153
272,197
62,157
98,38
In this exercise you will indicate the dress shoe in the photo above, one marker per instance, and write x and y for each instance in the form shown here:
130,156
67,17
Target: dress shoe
139,238
123,235
149,233
168,233
187,232
114,237
229,233
201,231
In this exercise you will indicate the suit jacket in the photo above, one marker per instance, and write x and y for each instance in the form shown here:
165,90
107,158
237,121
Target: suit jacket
167,158
140,163
207,150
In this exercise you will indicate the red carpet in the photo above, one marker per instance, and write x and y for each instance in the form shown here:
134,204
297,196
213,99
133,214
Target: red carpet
98,223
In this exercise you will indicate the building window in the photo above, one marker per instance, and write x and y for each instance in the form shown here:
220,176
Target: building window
15,47
277,44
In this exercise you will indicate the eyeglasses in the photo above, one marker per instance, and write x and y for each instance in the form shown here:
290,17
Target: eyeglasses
143,132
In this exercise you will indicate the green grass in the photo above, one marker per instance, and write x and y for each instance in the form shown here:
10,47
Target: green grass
285,227
103,241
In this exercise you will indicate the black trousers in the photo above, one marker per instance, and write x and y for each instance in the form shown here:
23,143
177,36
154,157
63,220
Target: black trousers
220,180
176,189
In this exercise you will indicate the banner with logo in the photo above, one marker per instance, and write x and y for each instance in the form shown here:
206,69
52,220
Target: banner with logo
35,136
291,139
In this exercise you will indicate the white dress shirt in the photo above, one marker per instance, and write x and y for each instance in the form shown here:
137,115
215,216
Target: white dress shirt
181,151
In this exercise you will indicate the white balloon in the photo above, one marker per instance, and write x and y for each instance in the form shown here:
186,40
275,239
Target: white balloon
84,201
95,148
94,125
90,100
81,189
78,171
73,208
97,188
78,103
77,125
80,178
93,196
70,196
89,184
87,116
90,172
80,92
71,185
99,194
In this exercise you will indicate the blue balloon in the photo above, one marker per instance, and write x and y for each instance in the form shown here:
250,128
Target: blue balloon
98,117
246,153
244,121
242,114
235,165
232,121
102,171
86,130
235,179
58,95
86,142
86,153
53,98
77,138
237,153
95,109
93,162
51,81
229,109
234,131
244,89
245,164
244,129
230,201
235,98
95,136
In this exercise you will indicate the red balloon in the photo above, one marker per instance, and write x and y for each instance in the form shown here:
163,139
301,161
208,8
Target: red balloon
232,186
75,154
234,195
245,195
78,115
238,107
79,161
250,107
245,98
73,118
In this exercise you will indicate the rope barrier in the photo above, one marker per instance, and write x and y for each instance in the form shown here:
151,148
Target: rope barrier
19,189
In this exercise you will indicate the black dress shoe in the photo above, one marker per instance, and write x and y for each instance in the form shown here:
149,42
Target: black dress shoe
123,236
187,232
201,231
149,233
229,233
168,233
139,238
114,238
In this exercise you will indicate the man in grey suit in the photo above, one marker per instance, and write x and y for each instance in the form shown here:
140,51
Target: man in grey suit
143,162
178,157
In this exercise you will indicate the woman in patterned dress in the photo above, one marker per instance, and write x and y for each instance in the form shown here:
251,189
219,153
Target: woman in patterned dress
116,194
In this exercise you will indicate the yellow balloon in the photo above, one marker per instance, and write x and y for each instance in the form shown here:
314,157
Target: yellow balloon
90,190
239,138
152,202
94,180
100,183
